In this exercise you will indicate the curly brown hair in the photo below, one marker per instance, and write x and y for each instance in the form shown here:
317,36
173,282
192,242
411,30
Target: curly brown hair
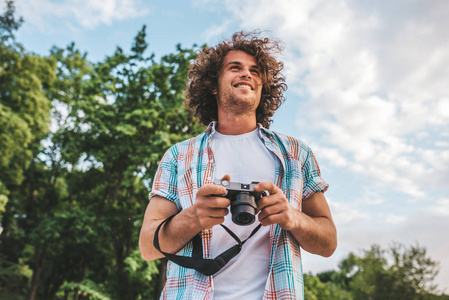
203,75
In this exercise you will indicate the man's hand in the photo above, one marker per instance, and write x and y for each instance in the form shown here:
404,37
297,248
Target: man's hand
210,209
275,209
313,227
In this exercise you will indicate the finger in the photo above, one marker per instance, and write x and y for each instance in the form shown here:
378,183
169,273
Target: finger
227,177
271,219
266,211
210,190
212,212
267,201
218,212
263,203
213,202
209,222
267,186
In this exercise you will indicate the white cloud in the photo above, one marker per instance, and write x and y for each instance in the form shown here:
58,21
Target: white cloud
216,30
333,155
77,13
375,79
442,207
346,216
395,219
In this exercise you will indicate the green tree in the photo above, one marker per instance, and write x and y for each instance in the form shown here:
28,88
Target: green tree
9,24
24,109
315,289
129,114
74,224
399,272
24,116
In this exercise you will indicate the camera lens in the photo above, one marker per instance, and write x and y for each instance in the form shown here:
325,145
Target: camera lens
243,218
243,209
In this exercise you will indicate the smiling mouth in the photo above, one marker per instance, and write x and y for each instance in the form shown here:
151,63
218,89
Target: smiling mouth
243,86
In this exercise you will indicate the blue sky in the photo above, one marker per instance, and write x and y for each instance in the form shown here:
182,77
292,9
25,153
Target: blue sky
368,91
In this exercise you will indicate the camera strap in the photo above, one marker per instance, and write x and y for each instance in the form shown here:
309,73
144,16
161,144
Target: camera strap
205,266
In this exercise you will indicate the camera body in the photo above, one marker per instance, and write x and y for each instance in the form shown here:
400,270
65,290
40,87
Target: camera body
243,200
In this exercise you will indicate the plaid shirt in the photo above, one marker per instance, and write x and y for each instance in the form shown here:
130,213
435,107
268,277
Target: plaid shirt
190,164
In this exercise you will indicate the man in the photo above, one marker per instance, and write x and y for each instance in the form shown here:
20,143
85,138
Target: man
235,88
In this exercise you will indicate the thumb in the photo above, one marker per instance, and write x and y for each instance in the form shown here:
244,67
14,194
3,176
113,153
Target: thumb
227,177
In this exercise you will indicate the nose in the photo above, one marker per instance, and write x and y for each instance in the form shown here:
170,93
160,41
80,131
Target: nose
245,73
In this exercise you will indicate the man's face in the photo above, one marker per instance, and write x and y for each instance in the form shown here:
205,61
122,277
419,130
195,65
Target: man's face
239,83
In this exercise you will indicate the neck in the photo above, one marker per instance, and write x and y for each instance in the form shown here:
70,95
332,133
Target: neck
235,125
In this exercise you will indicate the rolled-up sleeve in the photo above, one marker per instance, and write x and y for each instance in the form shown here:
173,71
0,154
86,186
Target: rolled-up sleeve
312,176
165,180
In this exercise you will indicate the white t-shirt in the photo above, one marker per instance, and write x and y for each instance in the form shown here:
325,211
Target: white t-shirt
246,159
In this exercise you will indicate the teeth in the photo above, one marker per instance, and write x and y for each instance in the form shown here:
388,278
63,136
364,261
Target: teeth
243,86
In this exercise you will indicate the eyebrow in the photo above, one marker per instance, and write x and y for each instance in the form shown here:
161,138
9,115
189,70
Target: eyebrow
239,63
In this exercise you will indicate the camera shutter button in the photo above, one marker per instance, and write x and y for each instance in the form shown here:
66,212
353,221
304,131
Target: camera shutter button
225,183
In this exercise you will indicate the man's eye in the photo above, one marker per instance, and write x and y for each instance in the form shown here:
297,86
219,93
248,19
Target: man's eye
255,71
234,68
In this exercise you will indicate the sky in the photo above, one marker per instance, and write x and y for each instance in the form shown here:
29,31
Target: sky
368,90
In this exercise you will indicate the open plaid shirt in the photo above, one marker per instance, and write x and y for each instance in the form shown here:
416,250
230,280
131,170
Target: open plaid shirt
190,164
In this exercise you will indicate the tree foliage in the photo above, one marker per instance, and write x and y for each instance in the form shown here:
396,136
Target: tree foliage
9,24
24,108
315,289
396,273
77,192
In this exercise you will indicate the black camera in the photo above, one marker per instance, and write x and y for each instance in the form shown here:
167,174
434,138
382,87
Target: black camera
243,200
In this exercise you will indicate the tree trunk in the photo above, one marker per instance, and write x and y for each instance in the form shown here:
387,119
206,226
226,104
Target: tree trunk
36,279
76,294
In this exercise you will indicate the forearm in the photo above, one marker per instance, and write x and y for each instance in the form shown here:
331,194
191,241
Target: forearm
173,235
316,235
178,231
208,211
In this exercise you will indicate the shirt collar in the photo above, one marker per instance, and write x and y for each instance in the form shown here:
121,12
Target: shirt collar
211,127
264,133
